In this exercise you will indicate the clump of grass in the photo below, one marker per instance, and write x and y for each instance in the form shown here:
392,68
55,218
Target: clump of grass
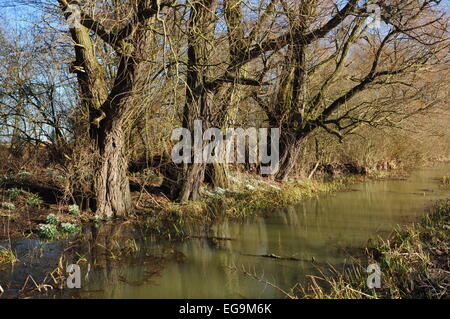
180,213
131,246
238,201
414,264
53,228
70,229
48,231
379,174
74,209
13,193
248,202
8,206
7,256
245,201
34,200
186,209
52,219
24,174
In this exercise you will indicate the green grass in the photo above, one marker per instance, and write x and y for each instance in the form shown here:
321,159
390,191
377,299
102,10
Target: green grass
34,200
249,202
414,264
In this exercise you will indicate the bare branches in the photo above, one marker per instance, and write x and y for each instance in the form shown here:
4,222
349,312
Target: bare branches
139,17
115,38
284,39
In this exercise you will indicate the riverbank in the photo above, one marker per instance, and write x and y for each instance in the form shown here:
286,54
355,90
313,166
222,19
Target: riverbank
414,263
25,213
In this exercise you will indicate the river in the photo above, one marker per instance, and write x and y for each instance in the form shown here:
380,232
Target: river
228,262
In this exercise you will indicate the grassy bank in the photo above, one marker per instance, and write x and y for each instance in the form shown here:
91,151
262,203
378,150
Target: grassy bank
414,263
247,196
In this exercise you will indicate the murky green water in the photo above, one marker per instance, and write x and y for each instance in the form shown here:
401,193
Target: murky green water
325,229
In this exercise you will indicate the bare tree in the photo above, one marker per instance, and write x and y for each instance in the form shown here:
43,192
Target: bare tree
244,46
127,30
319,87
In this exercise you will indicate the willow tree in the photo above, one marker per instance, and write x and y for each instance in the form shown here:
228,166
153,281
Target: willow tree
126,28
355,73
203,87
207,77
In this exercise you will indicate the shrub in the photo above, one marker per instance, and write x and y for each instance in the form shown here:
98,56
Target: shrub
13,193
52,219
34,200
8,206
48,231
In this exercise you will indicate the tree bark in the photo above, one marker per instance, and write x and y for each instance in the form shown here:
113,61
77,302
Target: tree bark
113,197
194,176
110,108
216,175
199,98
290,150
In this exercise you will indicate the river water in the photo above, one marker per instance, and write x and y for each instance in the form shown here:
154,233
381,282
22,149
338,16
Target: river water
232,260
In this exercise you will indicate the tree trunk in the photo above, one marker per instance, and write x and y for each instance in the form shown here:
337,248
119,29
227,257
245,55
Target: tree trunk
290,150
113,198
198,104
216,175
110,107
194,175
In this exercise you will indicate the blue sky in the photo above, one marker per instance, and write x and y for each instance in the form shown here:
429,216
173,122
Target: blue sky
18,16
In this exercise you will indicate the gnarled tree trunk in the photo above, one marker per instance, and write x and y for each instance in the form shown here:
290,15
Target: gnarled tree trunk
109,108
193,178
216,175
112,187
199,98
290,150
